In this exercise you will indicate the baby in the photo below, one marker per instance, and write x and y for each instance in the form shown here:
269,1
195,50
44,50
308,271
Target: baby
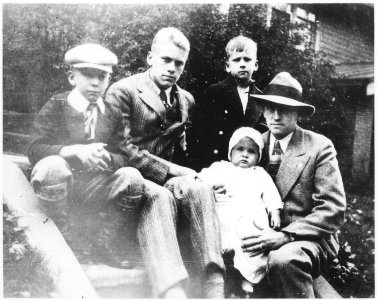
246,200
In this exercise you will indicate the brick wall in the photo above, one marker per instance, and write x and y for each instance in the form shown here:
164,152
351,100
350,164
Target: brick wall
363,154
344,43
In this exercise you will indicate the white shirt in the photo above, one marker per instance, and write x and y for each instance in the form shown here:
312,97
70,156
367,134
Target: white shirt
158,90
80,103
283,143
244,95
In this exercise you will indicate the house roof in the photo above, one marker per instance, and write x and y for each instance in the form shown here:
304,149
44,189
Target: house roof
356,70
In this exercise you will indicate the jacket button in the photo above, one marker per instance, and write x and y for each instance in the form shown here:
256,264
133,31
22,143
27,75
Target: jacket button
215,151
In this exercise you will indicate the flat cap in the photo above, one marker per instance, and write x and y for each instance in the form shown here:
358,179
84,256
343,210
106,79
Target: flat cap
91,56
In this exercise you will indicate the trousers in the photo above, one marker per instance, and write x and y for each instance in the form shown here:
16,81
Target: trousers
292,268
193,217
160,210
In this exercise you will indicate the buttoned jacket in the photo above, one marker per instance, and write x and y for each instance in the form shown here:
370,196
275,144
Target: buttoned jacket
58,124
311,187
218,114
151,141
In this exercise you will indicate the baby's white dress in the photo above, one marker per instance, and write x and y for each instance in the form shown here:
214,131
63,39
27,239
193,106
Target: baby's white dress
243,210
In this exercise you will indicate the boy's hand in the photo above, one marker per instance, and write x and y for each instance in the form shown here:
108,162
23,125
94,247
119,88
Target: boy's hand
275,220
93,156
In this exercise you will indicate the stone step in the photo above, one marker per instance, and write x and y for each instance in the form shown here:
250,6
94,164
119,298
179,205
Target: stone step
14,142
19,160
111,282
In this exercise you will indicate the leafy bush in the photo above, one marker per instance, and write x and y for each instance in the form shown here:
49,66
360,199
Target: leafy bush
23,277
352,273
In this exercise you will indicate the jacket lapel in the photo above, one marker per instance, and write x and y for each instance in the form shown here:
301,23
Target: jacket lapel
232,96
149,96
293,163
182,103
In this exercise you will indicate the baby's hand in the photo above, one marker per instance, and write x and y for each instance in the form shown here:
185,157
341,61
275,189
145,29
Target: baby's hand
219,188
275,221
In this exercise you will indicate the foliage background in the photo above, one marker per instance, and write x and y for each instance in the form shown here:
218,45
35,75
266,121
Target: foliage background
36,37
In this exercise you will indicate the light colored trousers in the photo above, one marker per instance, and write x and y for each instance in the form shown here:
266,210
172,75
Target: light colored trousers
162,210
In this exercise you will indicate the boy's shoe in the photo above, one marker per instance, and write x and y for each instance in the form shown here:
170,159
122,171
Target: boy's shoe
228,257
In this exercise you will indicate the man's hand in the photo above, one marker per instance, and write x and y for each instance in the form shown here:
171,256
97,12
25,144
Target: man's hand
175,170
93,156
266,240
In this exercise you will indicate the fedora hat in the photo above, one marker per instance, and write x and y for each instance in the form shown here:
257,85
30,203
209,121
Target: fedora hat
287,91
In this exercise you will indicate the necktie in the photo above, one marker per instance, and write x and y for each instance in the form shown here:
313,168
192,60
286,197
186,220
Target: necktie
164,99
90,120
275,160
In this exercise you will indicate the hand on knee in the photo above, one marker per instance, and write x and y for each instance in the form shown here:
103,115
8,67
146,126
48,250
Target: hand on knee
132,188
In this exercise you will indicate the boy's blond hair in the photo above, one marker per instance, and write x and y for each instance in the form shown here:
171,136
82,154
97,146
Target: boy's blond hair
239,44
173,35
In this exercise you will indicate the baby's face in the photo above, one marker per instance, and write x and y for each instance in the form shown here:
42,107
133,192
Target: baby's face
245,153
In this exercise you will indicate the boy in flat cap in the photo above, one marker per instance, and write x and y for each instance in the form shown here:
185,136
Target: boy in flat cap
75,147
306,172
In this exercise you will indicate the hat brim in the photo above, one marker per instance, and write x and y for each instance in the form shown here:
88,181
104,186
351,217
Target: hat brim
306,110
107,69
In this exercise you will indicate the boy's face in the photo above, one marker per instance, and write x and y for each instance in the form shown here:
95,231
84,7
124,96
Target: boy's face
242,65
281,120
245,153
91,83
166,62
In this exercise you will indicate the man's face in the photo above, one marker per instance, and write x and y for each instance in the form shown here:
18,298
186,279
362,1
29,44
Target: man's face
242,65
91,83
245,153
166,62
281,120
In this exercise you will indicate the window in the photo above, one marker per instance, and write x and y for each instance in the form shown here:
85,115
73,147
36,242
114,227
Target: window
308,30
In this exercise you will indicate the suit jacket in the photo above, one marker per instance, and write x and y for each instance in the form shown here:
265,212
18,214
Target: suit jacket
218,114
151,140
311,187
58,124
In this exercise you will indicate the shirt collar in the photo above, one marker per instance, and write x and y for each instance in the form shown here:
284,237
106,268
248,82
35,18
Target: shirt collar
283,142
80,103
158,90
243,90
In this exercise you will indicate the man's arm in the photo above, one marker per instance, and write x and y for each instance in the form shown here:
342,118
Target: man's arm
327,214
327,194
151,166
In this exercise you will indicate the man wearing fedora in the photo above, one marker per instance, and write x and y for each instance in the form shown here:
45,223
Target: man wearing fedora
304,167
